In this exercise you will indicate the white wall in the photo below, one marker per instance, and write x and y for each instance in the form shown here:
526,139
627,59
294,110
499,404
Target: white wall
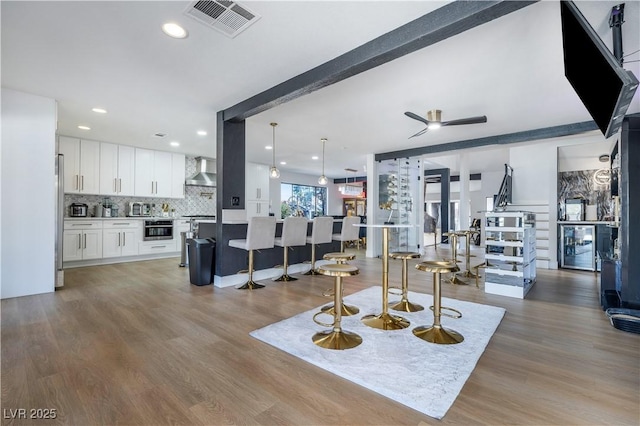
27,209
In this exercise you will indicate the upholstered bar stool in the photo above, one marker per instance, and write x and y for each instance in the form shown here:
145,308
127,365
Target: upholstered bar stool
321,232
436,333
453,242
294,234
336,338
341,258
261,234
404,305
348,231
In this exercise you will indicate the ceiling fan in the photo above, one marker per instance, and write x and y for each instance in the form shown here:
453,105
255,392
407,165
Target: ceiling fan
434,120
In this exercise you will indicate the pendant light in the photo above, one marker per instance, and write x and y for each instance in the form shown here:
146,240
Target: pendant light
322,180
274,173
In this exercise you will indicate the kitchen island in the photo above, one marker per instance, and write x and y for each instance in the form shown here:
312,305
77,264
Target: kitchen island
229,261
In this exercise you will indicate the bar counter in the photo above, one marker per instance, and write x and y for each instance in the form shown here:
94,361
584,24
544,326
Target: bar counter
230,260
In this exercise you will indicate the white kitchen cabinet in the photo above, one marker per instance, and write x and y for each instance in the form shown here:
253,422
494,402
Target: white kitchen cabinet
81,165
257,182
257,190
82,240
257,208
153,174
121,237
117,169
178,168
160,246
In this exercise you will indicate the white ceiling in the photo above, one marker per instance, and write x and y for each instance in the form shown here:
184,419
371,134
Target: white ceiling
114,55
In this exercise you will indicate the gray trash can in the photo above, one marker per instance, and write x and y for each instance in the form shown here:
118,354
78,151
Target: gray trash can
201,260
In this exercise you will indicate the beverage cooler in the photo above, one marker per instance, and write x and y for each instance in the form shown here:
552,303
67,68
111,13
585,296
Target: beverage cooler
578,249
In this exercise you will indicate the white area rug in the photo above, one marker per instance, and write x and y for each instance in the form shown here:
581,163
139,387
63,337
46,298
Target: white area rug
424,376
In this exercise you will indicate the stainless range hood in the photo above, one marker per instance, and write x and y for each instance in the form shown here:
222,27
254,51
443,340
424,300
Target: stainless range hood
205,173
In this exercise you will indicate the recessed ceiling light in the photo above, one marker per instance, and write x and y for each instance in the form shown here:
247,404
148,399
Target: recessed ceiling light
315,157
84,127
174,30
99,110
175,143
202,133
268,147
283,162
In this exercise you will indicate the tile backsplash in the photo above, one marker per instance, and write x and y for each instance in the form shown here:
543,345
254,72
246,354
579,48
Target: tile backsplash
198,200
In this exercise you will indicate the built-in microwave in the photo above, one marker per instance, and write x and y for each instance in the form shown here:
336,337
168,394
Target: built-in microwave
158,230
139,209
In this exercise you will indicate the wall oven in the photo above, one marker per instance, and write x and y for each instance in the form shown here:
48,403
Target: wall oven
158,230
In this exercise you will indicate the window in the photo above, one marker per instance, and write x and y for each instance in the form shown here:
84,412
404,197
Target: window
303,200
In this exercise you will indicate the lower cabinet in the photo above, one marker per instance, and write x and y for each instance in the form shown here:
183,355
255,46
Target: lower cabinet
82,240
158,246
256,208
121,238
87,239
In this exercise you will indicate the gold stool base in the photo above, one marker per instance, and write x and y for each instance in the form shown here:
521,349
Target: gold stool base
438,334
286,277
312,272
347,310
455,280
250,285
405,306
385,321
331,339
469,274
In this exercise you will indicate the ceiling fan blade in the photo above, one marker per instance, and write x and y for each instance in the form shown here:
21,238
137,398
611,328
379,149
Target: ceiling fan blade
470,120
416,117
421,132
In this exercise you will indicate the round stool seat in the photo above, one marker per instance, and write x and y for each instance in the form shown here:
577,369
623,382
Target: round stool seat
339,257
437,266
347,310
338,270
405,255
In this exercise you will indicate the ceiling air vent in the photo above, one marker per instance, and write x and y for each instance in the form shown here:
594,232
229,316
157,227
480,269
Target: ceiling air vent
228,17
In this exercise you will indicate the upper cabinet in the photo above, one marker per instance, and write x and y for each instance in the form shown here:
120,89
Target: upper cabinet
117,169
178,175
92,167
257,182
81,165
257,190
154,174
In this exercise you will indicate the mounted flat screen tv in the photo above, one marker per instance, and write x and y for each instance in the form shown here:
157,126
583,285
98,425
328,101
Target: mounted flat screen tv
603,86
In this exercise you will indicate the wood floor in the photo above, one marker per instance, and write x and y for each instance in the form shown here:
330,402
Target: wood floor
135,343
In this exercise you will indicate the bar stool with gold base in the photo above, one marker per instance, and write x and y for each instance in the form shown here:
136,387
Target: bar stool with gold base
348,231
436,333
468,234
341,258
336,338
261,234
453,242
483,265
404,305
321,233
294,233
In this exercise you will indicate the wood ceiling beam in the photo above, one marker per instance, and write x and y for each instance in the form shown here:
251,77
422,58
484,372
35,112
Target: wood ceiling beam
447,21
509,138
